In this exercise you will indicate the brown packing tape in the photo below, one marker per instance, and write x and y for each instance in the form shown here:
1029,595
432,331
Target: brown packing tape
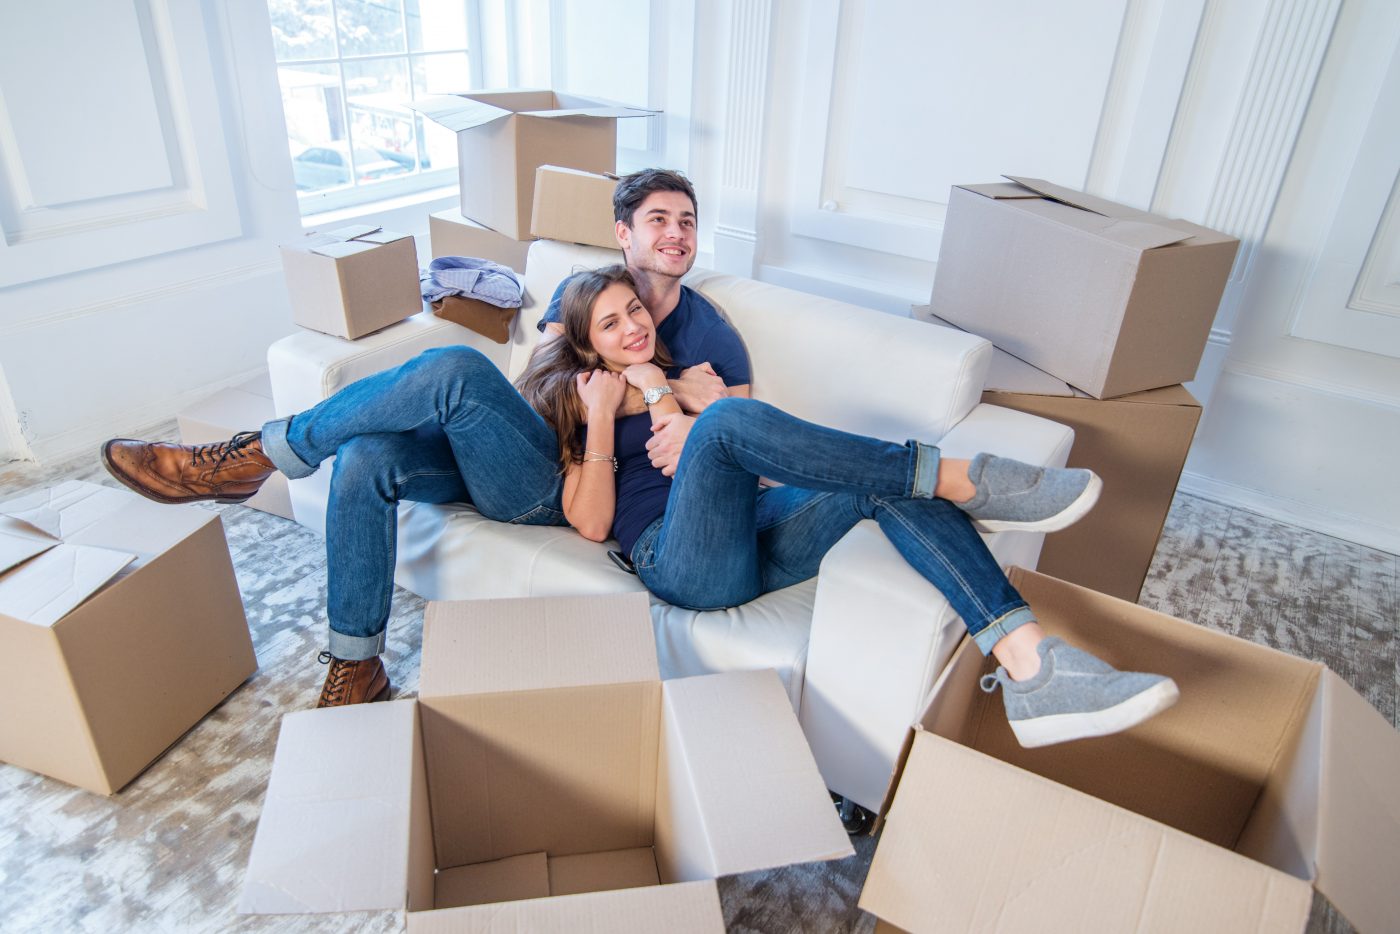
484,318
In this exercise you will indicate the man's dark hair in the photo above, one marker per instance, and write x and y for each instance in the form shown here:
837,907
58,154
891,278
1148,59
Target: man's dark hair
633,189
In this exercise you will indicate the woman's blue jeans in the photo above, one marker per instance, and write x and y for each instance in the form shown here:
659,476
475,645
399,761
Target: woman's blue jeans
723,542
446,427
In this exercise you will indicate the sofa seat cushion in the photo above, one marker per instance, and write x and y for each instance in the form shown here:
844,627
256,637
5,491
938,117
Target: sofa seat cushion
452,552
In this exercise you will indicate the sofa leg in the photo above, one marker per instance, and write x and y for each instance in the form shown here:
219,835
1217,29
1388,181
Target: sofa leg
856,819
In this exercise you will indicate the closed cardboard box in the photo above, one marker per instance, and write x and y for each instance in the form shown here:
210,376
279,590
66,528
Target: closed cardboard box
352,281
504,136
575,207
1269,777
451,233
1137,443
123,626
544,779
1108,298
246,407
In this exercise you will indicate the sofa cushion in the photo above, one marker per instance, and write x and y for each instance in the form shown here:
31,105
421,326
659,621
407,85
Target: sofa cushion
453,553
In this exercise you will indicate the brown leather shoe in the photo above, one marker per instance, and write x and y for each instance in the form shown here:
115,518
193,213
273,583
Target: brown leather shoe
361,682
228,472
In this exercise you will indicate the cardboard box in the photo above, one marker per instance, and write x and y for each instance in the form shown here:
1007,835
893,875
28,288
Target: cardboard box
451,233
543,759
352,281
1110,299
123,627
504,136
246,407
1137,443
1270,774
574,206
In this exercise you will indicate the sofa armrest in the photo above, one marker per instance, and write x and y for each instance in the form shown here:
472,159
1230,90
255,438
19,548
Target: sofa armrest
307,367
881,634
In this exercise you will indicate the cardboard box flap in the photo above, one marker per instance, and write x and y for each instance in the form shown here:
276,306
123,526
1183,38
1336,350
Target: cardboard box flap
66,510
525,644
1000,191
1020,853
684,908
1077,199
20,541
44,590
1358,819
457,112
754,793
620,110
337,831
347,241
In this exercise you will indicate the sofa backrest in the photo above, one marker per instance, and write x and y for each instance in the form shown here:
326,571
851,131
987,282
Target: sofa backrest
827,361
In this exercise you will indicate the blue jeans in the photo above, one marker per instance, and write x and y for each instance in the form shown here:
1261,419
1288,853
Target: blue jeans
723,541
446,427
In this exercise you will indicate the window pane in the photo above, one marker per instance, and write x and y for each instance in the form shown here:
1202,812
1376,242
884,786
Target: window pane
447,73
383,129
434,25
302,29
370,27
311,100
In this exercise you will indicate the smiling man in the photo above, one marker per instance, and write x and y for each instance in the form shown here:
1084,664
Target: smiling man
446,427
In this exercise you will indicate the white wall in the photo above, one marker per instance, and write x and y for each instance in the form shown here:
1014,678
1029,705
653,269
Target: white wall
144,183
823,136
1275,120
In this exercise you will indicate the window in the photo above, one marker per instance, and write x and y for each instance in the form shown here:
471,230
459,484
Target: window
346,67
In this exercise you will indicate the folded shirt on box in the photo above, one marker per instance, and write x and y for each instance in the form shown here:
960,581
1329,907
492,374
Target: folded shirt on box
474,278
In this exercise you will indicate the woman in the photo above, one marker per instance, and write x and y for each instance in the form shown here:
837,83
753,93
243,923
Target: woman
711,538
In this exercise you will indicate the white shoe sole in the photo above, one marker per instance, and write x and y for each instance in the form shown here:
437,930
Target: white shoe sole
1063,519
1063,727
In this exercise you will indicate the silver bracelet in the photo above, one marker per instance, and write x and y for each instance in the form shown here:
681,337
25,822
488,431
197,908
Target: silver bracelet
595,456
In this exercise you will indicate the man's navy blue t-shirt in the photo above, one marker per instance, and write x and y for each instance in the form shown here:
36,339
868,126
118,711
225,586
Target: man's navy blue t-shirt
694,333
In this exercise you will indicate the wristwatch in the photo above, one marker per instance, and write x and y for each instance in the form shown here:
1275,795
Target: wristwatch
653,395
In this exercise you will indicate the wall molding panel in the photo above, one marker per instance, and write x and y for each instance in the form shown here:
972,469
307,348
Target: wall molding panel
740,158
94,175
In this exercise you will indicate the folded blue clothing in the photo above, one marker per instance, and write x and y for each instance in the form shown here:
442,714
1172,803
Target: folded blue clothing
475,278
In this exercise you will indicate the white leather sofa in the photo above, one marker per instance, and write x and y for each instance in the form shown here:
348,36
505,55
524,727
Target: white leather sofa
858,647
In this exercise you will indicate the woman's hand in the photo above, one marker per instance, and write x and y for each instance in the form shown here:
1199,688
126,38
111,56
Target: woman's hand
601,391
644,375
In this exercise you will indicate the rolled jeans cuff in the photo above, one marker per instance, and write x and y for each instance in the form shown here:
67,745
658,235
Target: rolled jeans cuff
356,648
279,451
999,629
926,458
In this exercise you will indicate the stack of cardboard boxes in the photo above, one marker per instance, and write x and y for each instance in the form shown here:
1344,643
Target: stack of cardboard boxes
1099,312
354,281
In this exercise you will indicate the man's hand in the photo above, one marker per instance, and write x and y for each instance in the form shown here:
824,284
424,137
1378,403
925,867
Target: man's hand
668,434
697,387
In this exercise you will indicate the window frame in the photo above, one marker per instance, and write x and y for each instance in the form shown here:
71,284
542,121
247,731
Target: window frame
355,194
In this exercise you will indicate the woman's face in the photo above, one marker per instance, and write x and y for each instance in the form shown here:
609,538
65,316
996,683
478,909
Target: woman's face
621,331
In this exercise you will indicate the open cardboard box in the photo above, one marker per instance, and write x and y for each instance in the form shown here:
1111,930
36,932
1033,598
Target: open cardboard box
1137,443
123,627
1270,774
504,136
1110,299
545,779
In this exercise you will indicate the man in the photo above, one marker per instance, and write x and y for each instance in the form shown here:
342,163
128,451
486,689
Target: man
447,427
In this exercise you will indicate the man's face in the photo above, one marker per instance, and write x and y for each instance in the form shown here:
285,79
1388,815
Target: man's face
661,239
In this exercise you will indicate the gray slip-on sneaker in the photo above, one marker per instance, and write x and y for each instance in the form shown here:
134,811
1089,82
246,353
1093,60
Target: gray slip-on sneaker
1013,496
1076,696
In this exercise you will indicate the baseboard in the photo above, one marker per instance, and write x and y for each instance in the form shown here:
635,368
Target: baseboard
135,423
1338,525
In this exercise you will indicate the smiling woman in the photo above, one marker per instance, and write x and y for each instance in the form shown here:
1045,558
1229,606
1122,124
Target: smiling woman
346,68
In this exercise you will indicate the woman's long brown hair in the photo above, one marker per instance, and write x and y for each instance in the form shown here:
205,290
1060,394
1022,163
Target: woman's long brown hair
548,381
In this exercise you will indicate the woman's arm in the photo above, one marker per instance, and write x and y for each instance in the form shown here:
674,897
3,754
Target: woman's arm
646,376
590,487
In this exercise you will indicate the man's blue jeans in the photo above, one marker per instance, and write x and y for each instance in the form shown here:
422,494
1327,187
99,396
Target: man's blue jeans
446,427
723,542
